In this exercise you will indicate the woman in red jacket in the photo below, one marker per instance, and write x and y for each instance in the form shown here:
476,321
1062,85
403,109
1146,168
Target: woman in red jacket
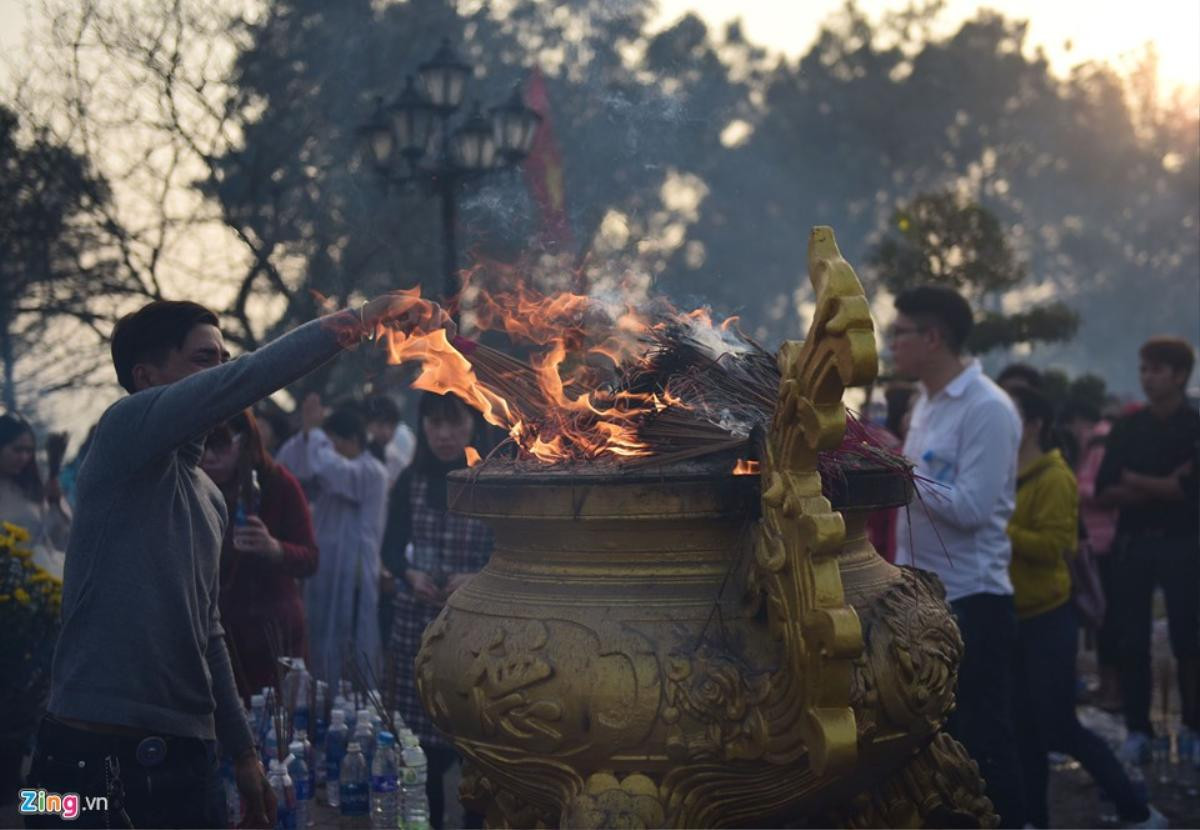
269,544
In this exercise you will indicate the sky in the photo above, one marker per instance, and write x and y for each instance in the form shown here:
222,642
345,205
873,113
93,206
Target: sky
1070,31
1094,29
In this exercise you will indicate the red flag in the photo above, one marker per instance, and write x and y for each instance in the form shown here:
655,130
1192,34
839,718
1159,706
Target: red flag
544,170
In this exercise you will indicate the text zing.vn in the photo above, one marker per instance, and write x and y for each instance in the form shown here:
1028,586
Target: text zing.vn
67,806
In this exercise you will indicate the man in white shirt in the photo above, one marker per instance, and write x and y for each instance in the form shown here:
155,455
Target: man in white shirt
963,440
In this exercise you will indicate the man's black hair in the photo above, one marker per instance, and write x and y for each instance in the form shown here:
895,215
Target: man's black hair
148,334
381,408
347,421
939,307
1174,352
1023,372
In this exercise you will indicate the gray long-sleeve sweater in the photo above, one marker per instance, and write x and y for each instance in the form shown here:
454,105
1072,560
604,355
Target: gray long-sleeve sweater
142,643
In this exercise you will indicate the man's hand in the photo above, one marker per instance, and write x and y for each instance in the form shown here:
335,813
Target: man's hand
53,490
423,586
405,312
254,537
456,581
258,800
312,413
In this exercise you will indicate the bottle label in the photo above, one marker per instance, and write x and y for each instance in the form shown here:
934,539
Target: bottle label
300,719
383,783
356,800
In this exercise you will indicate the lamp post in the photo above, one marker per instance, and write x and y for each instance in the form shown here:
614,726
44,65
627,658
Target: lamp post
413,140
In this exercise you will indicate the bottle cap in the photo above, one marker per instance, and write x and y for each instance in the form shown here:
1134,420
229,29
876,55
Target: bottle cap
353,747
296,748
258,700
339,717
387,738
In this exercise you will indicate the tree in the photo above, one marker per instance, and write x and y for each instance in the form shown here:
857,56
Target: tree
942,239
49,257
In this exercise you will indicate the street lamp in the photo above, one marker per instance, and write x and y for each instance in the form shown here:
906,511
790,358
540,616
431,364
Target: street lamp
412,140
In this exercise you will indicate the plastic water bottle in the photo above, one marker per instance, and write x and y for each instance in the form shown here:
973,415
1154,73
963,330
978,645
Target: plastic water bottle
385,812
320,727
365,738
416,771
271,747
258,716
297,688
353,787
335,750
310,759
285,795
298,771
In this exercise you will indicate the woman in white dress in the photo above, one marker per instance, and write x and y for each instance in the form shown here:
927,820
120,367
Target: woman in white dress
347,489
27,501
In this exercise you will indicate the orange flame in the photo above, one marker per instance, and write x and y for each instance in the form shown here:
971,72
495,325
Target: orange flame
582,344
473,457
745,467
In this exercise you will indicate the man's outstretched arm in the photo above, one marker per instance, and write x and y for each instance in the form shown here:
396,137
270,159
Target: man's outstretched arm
157,420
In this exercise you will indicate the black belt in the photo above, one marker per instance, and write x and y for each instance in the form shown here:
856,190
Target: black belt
149,750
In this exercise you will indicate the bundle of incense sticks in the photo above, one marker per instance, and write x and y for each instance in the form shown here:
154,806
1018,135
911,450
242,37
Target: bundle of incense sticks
719,399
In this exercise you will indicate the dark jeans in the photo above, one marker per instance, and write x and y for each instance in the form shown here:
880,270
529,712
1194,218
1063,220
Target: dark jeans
183,790
982,720
1108,639
1144,562
1045,701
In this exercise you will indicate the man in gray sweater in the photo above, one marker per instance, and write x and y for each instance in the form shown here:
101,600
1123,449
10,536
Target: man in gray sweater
142,685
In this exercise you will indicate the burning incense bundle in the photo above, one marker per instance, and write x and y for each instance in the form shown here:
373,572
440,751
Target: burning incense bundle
614,385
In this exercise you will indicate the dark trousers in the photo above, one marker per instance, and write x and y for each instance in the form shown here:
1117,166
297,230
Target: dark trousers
1045,701
982,720
440,759
1108,638
1144,562
183,790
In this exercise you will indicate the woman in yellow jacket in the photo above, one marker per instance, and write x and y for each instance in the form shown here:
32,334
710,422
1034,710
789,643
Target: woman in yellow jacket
1044,530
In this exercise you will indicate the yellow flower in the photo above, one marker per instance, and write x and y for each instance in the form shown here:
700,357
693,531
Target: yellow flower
4,597
22,596
18,534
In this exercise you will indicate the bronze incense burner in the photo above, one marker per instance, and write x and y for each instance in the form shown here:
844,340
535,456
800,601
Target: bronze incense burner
685,647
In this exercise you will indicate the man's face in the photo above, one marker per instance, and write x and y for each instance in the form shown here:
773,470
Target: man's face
346,447
1160,381
909,343
202,349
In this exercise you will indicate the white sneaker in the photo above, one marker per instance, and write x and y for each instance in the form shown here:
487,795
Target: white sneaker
1136,749
1156,821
